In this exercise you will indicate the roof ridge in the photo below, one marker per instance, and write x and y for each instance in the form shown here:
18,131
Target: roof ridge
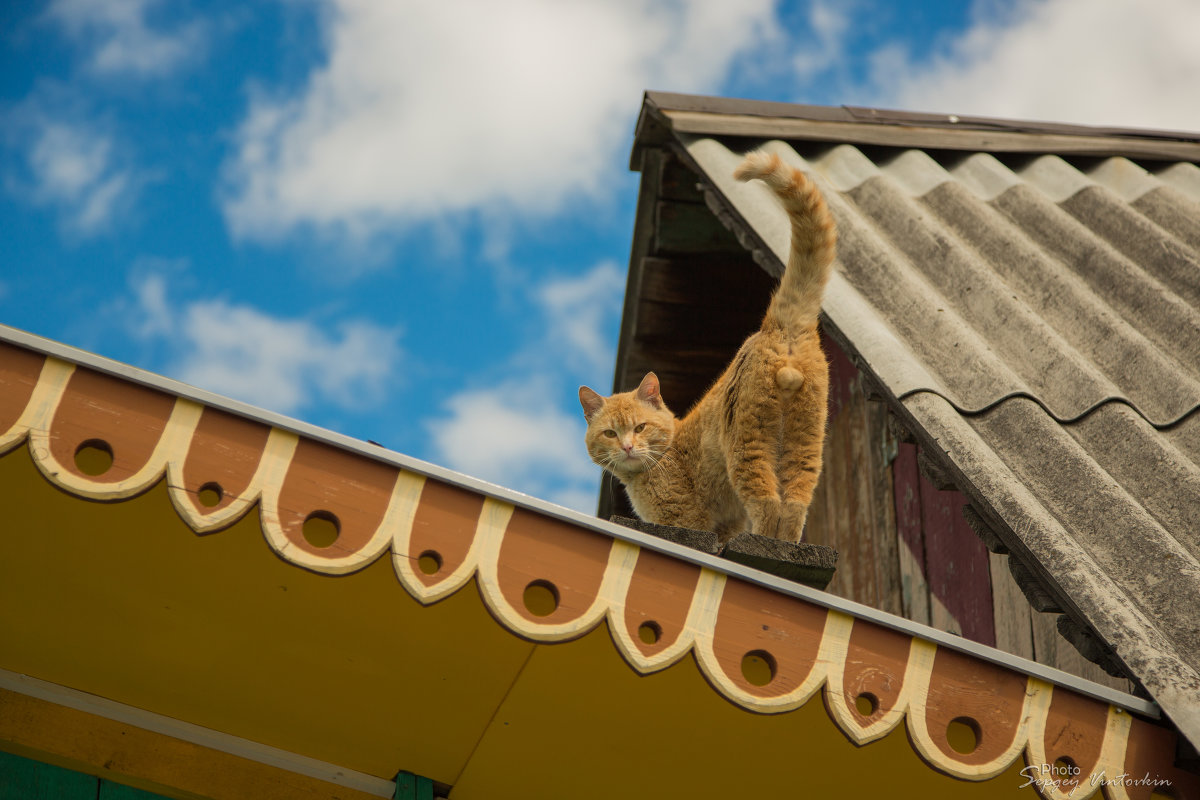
665,102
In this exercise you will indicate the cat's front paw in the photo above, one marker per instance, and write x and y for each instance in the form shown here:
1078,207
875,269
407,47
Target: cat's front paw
765,519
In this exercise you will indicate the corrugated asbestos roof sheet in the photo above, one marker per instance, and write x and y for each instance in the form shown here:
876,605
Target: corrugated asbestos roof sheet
1033,317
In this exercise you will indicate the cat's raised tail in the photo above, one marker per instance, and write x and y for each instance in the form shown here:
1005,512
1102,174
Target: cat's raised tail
797,301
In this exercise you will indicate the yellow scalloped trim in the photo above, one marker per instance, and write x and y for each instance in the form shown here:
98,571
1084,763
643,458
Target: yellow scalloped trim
701,616
39,409
40,414
846,717
277,456
481,563
1037,703
617,572
211,521
493,519
827,656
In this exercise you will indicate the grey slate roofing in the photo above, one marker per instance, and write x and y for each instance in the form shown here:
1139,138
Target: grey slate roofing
1027,297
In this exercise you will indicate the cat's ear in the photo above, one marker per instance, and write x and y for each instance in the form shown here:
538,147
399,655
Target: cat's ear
649,390
590,401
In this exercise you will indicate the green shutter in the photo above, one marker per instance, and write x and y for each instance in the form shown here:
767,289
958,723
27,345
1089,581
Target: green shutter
117,791
25,779
413,787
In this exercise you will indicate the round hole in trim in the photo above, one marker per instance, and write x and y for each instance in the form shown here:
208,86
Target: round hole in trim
866,704
94,457
321,529
429,562
210,494
758,667
963,735
649,632
1065,770
541,598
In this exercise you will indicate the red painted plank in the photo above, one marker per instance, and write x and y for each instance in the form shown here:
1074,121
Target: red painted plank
907,479
842,375
956,563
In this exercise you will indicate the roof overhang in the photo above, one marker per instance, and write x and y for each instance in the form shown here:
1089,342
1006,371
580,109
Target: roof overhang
168,620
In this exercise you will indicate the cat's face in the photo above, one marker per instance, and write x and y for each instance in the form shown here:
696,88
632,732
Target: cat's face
628,433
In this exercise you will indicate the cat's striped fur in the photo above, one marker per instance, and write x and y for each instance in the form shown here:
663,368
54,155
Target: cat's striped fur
748,454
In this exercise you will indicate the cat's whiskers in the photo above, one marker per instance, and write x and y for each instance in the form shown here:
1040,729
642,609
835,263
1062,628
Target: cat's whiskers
663,459
612,460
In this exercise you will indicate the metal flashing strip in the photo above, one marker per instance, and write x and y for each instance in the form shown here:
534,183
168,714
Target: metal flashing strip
195,734
611,530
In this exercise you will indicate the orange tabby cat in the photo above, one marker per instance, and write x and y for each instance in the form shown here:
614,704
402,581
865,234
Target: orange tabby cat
748,455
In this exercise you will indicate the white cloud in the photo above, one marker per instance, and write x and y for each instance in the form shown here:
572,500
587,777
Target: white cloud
121,40
71,159
156,317
285,364
515,435
830,23
430,107
1117,62
73,167
581,313
278,363
526,432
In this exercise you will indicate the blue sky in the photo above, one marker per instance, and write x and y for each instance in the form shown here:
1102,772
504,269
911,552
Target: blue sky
410,221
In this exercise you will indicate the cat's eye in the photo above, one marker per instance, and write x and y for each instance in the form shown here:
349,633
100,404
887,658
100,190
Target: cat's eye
639,428
610,433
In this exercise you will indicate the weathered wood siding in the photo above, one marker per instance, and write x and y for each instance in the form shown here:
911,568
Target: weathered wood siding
904,544
853,509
